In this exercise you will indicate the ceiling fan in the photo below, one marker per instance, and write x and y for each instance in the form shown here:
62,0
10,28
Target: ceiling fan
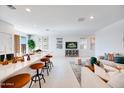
11,7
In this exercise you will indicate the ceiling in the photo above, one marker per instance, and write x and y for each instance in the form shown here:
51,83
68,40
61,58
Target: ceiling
47,20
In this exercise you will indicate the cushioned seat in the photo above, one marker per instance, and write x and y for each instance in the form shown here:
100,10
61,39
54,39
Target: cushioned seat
17,81
37,66
45,59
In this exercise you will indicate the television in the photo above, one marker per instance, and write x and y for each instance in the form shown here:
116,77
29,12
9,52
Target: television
71,45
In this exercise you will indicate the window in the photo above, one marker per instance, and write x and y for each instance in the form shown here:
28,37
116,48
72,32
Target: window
83,43
23,45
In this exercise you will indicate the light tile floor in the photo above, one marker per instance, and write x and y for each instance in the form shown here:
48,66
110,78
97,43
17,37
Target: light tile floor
61,75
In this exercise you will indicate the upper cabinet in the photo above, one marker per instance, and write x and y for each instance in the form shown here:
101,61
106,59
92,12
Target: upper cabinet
6,43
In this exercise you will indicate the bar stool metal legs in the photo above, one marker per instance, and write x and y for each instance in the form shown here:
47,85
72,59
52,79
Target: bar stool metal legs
47,68
50,64
37,77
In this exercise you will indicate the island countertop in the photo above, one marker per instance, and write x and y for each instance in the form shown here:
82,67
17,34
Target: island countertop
9,69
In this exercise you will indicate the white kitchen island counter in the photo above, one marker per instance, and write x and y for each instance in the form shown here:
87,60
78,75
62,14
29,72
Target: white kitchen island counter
8,70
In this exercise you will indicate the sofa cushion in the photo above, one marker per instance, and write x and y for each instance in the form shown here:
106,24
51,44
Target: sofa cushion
91,80
101,72
117,81
119,60
110,68
109,63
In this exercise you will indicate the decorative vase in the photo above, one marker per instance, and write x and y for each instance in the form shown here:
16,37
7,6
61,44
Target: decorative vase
28,57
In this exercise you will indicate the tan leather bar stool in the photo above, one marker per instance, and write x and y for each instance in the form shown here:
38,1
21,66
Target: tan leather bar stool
50,62
46,61
38,76
17,81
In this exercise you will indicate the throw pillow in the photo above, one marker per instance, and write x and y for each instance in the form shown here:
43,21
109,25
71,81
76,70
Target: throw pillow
110,57
79,61
88,62
106,56
93,60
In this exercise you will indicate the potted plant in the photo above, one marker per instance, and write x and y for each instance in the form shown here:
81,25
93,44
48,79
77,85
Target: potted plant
31,45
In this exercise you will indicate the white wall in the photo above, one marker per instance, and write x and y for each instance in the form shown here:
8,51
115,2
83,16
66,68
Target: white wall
6,32
66,38
110,39
76,38
38,41
8,29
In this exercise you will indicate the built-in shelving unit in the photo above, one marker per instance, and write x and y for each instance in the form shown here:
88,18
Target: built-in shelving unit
72,53
71,49
59,43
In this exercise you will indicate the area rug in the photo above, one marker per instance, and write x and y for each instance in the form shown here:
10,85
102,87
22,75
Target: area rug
77,71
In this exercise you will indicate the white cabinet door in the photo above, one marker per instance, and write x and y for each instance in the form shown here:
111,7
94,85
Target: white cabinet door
8,43
2,43
5,43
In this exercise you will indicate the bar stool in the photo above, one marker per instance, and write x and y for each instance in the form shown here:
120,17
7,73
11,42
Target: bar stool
46,61
17,81
50,62
38,76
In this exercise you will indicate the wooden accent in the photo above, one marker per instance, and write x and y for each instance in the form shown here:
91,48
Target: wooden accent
15,60
49,56
103,79
6,62
45,59
19,59
90,67
17,81
17,43
37,66
38,76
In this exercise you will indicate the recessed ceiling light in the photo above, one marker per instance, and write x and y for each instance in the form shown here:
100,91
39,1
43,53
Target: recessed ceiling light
91,17
28,10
